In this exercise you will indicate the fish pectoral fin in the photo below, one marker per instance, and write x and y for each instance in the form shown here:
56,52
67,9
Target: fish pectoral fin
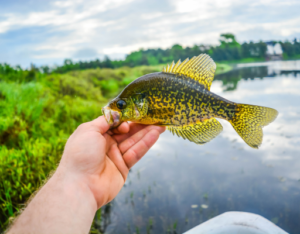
201,68
141,108
199,132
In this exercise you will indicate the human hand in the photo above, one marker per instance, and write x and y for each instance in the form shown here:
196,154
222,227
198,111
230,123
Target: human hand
101,158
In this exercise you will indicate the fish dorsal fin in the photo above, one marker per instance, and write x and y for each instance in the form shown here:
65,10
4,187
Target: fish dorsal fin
201,68
200,132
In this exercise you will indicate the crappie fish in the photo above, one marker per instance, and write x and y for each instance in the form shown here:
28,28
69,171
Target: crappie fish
179,98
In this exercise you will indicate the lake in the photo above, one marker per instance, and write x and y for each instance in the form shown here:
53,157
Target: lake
179,184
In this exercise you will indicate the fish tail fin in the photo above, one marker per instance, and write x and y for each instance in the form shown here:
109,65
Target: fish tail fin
249,120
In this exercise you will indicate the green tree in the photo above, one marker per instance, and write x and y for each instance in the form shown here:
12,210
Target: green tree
228,40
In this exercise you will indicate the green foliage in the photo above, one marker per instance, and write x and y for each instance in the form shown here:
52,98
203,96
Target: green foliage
291,49
228,40
17,74
175,225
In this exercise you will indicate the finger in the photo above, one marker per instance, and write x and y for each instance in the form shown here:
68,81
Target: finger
122,129
100,124
135,153
116,157
134,128
133,139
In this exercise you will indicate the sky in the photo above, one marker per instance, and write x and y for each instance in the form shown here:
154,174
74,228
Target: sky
45,32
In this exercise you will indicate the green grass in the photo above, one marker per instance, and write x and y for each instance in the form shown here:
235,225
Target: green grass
38,112
244,60
295,57
222,68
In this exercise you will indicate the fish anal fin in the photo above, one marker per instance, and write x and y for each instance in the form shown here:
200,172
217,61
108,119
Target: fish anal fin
199,132
201,68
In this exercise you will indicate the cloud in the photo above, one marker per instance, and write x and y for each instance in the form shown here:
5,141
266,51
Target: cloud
50,31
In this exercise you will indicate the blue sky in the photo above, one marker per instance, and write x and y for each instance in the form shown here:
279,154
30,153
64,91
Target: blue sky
46,32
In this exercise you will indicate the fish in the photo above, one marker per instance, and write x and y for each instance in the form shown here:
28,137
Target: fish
179,98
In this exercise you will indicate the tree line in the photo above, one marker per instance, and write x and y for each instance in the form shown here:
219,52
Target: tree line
229,50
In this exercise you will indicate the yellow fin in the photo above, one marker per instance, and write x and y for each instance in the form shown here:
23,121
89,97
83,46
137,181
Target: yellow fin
249,120
200,132
201,68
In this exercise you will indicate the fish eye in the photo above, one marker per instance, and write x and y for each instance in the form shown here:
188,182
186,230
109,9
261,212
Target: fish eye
121,104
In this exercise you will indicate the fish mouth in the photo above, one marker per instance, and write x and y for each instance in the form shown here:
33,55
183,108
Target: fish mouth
112,117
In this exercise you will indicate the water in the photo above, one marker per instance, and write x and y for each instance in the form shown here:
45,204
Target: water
179,184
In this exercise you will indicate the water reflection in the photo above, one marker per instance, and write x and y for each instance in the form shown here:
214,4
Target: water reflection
231,79
178,184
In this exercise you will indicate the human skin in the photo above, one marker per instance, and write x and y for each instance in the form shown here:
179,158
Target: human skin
92,171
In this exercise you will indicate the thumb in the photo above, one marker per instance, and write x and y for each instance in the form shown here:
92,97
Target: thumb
100,124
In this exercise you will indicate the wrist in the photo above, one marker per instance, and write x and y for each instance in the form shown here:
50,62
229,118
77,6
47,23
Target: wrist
75,188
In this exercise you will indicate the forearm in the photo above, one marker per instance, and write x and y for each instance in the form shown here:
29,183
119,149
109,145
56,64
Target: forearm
63,205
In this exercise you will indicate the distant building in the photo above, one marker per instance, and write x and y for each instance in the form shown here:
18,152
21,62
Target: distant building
204,48
274,51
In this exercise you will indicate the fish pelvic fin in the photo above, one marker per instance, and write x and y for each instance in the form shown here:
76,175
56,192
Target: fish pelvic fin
199,132
249,120
201,68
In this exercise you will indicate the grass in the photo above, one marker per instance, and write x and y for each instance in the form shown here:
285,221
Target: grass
222,68
295,57
244,60
254,60
38,112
